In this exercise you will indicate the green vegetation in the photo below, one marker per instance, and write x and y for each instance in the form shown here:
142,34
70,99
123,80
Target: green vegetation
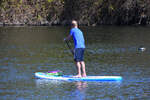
87,12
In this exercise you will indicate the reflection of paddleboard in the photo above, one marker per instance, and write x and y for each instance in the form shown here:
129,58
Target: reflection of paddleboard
43,75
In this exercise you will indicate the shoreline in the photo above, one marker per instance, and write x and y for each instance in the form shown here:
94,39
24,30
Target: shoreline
23,25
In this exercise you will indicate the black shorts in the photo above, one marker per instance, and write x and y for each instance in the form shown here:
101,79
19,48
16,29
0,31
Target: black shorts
79,54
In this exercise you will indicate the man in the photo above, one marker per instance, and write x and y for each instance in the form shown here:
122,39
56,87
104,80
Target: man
79,47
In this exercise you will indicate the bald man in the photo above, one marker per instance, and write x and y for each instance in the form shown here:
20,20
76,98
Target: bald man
79,47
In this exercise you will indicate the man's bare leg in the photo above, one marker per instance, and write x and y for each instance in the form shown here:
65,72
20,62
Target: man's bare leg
79,69
83,68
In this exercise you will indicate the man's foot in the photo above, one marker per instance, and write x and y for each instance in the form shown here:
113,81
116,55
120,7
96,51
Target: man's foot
84,75
77,76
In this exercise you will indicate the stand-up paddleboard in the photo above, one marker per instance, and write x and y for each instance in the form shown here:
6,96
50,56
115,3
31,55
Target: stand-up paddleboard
43,75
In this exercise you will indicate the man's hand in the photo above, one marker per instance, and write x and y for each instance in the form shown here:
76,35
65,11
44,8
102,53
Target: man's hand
67,38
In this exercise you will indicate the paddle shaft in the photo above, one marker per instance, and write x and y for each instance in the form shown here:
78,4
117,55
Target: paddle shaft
67,42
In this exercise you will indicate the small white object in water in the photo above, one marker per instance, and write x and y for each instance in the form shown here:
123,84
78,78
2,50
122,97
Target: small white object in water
142,49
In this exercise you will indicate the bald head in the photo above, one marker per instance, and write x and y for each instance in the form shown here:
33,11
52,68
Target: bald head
74,23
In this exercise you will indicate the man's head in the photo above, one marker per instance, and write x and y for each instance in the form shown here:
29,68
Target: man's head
74,23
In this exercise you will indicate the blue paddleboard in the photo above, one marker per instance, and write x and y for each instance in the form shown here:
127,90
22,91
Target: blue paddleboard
43,75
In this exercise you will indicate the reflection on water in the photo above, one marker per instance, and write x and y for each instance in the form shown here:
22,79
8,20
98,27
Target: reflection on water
48,83
77,90
110,51
81,85
78,93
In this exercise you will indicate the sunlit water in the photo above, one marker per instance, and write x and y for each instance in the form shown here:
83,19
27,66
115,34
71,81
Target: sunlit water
110,50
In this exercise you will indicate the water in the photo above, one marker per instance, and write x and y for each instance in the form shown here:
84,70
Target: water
110,50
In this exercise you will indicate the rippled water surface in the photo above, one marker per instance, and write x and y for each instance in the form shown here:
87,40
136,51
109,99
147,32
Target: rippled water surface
110,50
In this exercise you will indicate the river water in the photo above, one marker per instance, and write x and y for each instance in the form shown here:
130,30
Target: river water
110,50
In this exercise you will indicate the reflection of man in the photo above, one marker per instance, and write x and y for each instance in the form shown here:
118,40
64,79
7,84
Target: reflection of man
81,90
79,45
81,85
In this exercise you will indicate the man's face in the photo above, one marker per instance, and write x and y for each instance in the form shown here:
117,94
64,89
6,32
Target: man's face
73,23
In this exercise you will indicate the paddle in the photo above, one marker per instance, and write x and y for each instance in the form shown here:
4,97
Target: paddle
71,50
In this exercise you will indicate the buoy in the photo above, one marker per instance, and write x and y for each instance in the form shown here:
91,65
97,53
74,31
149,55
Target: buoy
142,49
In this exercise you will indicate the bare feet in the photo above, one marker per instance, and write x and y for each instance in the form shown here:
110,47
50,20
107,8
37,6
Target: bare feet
84,75
77,76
